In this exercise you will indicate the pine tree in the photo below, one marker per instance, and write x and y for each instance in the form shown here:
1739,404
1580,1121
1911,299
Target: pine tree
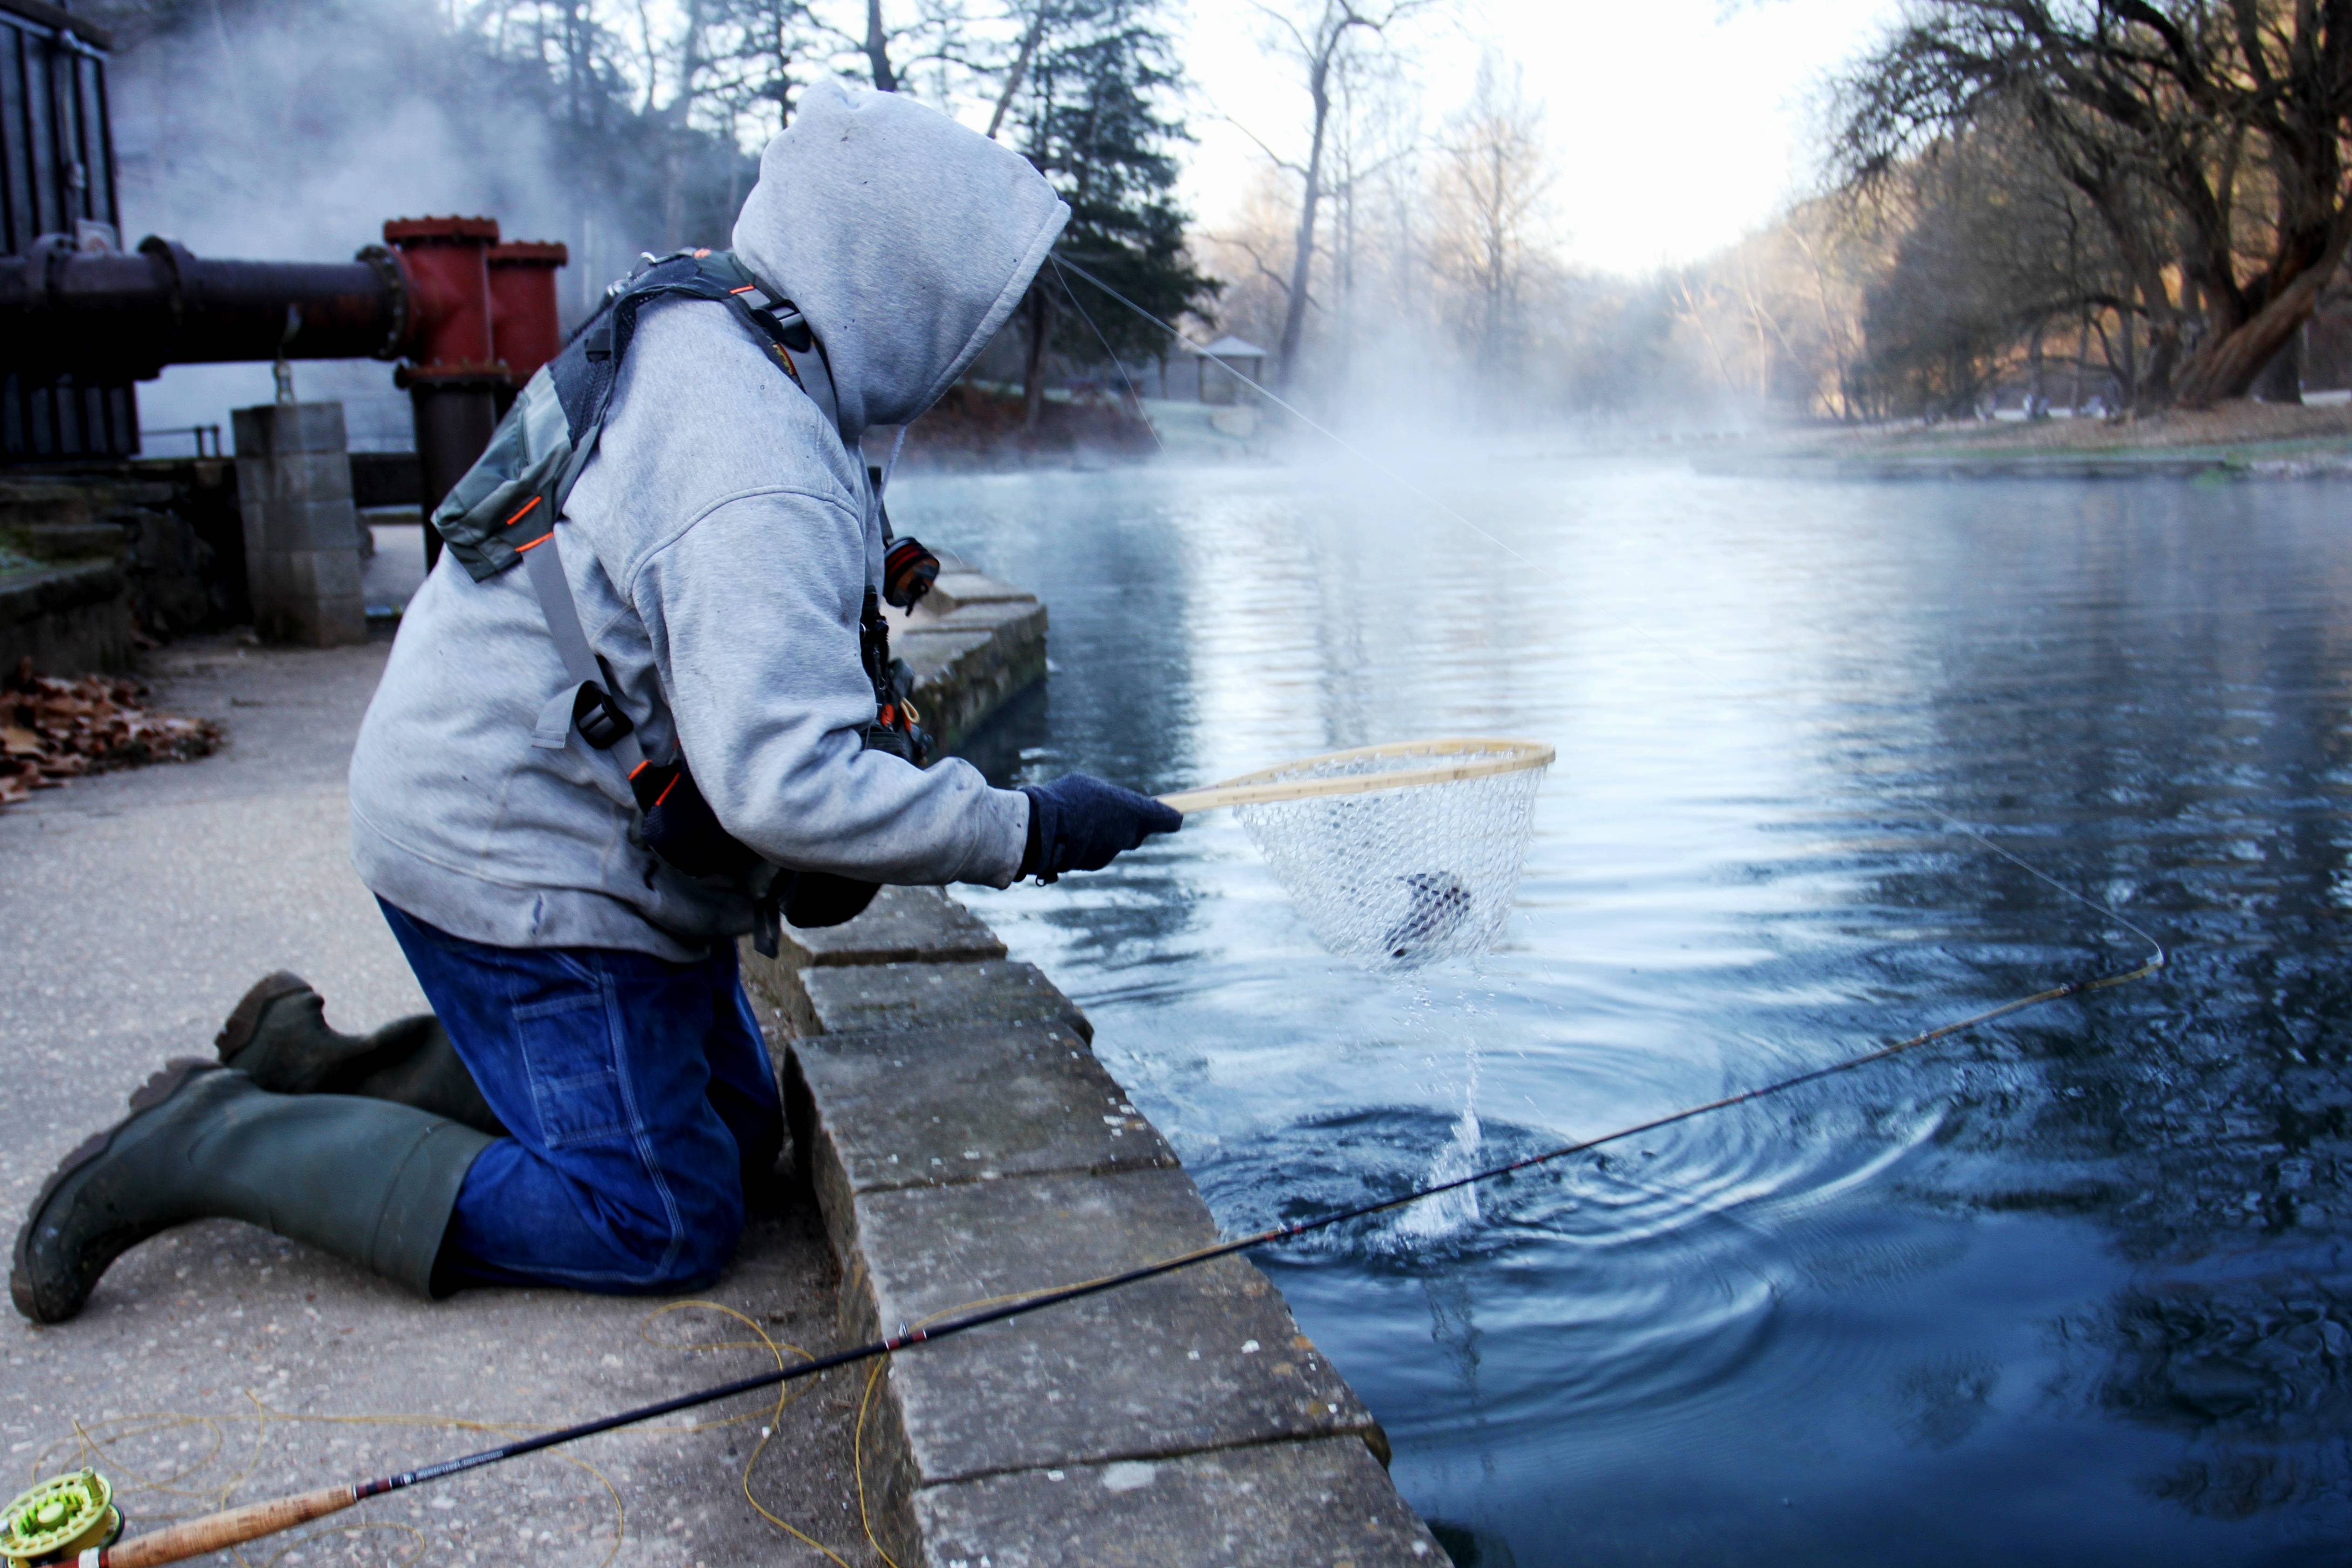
1091,118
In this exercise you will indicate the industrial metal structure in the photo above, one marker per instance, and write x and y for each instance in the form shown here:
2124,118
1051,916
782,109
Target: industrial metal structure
82,319
57,193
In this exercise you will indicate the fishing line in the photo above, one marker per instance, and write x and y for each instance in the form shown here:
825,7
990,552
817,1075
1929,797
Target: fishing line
1071,294
173,1543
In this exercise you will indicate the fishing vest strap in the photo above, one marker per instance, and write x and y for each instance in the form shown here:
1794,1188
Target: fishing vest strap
595,714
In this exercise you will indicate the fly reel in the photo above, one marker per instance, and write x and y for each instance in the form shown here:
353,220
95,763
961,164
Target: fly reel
59,1519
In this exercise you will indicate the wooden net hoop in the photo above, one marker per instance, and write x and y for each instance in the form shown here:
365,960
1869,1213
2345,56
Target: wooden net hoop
1449,760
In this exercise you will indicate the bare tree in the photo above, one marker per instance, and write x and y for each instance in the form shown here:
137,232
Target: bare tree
1035,15
1491,180
2208,134
1316,35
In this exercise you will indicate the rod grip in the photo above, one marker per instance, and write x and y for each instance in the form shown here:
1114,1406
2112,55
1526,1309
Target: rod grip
196,1537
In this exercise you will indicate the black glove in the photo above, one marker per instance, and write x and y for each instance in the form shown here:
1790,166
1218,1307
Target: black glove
1079,823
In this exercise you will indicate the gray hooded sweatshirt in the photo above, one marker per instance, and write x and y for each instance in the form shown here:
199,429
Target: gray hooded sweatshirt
719,546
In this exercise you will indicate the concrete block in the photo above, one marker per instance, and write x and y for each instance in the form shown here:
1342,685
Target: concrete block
69,619
295,479
283,579
902,925
1207,1357
317,624
934,996
274,428
289,574
308,597
301,524
970,663
301,534
1321,1504
876,1113
958,586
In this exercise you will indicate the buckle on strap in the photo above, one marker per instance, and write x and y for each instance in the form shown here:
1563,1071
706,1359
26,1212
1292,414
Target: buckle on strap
597,717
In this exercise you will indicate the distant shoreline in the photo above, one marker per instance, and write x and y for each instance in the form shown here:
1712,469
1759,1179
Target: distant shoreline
2232,440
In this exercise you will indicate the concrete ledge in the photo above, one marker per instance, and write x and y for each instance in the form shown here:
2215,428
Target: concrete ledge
68,617
849,999
902,925
879,1113
1205,1358
964,1145
1320,1504
974,643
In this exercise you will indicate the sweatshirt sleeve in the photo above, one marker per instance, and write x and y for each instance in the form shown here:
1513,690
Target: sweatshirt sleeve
753,613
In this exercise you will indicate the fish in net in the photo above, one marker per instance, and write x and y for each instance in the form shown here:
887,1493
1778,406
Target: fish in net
1397,855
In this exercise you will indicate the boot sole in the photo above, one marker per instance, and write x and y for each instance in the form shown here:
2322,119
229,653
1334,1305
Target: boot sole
245,1018
159,1088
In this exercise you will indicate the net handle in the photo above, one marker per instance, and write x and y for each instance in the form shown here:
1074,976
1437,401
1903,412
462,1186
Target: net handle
1474,759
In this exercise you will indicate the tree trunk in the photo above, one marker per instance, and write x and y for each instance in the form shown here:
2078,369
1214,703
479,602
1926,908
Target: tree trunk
2226,364
1302,262
1020,71
2163,360
673,191
1032,367
877,49
2281,379
2082,357
2128,399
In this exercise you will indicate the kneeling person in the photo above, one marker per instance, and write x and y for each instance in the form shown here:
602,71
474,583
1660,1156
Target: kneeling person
591,1104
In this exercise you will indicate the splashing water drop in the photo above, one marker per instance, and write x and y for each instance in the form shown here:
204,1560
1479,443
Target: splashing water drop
1449,1213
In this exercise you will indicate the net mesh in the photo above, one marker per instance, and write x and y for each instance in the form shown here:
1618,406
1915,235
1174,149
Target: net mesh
1401,877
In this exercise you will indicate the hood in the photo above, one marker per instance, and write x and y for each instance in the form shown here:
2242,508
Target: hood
905,238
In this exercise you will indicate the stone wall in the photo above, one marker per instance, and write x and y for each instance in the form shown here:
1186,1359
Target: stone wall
92,559
965,1145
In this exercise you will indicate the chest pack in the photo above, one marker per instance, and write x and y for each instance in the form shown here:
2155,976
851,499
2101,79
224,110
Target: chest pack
504,514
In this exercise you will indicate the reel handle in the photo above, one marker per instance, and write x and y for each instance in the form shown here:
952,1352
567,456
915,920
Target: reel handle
194,1537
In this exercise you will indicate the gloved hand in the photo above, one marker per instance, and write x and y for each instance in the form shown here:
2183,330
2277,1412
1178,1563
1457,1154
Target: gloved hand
1079,823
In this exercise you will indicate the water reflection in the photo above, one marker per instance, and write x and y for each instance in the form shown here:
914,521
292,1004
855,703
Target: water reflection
2069,1289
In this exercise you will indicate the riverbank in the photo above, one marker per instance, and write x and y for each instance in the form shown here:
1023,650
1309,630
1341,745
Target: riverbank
978,427
2234,440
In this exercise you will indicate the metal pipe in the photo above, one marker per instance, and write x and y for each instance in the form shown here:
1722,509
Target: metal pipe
526,326
62,310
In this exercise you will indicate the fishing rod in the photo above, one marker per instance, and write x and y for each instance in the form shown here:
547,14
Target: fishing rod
216,1532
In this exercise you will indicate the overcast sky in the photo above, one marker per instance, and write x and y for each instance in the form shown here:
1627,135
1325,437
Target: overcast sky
1677,125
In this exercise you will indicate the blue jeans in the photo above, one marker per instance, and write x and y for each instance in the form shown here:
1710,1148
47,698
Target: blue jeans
639,1100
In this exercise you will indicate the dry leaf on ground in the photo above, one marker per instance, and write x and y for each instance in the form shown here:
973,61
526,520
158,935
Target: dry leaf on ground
52,730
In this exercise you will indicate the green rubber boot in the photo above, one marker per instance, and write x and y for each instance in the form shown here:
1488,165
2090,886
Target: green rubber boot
279,1037
370,1183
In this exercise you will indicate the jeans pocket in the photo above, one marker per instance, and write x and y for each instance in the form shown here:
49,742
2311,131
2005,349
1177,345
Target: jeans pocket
575,1090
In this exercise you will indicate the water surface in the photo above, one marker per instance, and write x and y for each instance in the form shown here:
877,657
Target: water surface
2072,1288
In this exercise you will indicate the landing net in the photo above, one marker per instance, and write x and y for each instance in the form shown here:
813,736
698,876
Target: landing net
1400,855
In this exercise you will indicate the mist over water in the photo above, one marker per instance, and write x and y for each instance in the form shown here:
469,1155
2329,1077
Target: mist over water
2068,1290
